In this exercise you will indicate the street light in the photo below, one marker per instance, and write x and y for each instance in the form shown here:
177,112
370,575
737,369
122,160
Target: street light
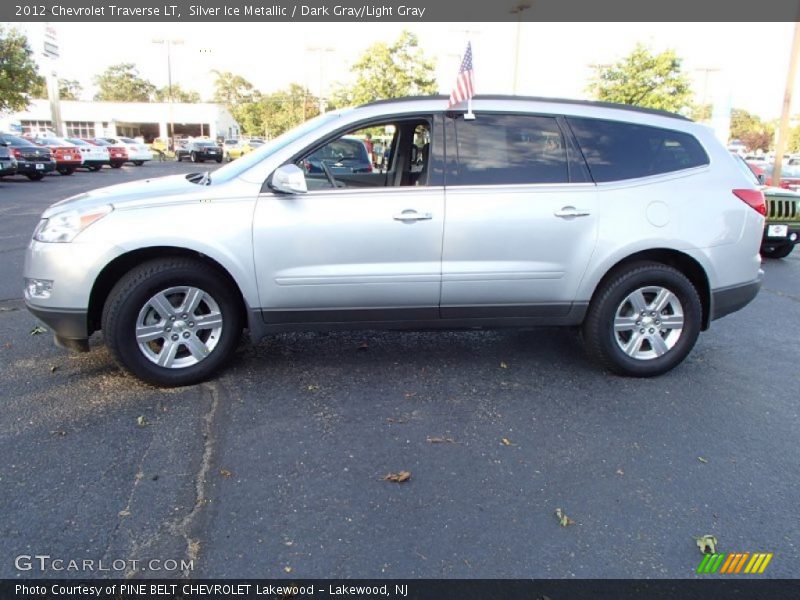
169,43
322,51
518,10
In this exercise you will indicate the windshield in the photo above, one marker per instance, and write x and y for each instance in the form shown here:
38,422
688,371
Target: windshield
206,144
129,141
239,166
78,142
13,140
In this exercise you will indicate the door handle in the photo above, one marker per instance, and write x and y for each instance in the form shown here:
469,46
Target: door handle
412,215
570,211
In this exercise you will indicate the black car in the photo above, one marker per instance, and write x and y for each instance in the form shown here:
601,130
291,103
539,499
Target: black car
8,164
198,151
32,161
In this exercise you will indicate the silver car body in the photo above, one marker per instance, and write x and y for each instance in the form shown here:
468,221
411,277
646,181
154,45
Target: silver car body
469,255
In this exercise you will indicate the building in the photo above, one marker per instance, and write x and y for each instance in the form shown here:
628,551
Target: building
148,120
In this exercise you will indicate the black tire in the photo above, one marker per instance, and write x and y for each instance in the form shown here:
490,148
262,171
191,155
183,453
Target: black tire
598,326
66,170
95,168
116,165
193,157
35,176
132,293
219,160
227,157
781,251
138,163
178,157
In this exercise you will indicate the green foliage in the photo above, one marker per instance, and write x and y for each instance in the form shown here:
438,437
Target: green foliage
18,71
751,130
233,90
644,79
389,71
286,109
122,83
68,89
178,94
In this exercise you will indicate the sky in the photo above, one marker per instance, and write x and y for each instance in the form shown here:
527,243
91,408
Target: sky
743,64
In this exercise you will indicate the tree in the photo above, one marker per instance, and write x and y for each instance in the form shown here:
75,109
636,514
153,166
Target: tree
287,108
122,83
644,79
18,71
389,71
68,89
233,90
751,130
178,94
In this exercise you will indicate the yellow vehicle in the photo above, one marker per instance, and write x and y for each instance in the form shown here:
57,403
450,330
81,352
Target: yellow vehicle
239,148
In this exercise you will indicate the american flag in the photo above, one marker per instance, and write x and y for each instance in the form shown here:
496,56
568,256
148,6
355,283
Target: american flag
465,82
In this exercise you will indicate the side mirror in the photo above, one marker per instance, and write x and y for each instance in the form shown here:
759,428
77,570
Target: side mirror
289,179
761,179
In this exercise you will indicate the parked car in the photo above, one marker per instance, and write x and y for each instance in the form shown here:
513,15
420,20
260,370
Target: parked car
242,148
636,225
345,155
8,164
117,153
94,157
138,153
198,151
67,156
226,146
32,161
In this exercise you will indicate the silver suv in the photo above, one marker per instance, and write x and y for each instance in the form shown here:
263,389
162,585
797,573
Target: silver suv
635,224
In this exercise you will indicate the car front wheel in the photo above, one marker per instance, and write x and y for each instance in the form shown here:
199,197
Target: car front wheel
643,320
172,322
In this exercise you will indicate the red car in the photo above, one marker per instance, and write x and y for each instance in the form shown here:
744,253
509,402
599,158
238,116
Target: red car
118,154
67,156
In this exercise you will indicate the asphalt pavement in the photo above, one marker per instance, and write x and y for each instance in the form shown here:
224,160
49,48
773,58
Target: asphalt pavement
276,469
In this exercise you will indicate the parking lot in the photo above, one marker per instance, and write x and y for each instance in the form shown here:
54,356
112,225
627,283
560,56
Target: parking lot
276,469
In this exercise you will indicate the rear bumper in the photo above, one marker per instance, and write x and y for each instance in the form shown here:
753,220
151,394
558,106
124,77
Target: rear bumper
725,301
25,167
70,327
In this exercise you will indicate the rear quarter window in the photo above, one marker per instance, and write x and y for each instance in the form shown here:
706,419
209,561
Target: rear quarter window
615,151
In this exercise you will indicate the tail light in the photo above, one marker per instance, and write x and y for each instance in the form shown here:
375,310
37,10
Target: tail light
17,153
754,199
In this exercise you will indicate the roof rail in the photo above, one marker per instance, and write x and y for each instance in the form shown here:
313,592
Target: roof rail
628,107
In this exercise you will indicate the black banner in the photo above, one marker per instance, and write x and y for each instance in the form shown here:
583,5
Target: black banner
396,10
408,589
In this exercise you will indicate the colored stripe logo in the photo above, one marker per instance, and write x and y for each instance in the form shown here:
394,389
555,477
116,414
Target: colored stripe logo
733,563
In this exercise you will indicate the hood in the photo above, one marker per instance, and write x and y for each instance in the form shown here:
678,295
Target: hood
160,190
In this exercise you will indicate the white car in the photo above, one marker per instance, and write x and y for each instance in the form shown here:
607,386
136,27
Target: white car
94,157
138,153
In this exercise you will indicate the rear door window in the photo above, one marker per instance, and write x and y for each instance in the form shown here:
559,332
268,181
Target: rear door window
615,151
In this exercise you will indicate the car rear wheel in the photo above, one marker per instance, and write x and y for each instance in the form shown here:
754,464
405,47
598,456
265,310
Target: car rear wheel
643,320
178,157
35,176
193,157
781,251
138,163
172,322
218,159
66,170
116,165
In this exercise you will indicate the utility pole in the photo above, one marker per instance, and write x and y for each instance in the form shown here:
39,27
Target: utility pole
706,71
171,129
52,53
783,130
518,10
322,50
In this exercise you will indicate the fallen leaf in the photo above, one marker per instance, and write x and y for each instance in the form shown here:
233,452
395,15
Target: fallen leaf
410,394
620,472
503,365
702,460
141,421
507,442
398,477
363,345
441,440
287,569
60,432
313,388
53,369
707,544
38,330
393,420
225,473
124,513
563,519
7,345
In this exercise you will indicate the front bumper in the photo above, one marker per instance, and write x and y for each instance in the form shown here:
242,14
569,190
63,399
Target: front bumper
792,235
70,327
727,300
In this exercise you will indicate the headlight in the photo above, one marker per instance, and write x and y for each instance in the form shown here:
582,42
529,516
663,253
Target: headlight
63,227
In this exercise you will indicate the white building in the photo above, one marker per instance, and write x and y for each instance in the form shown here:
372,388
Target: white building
148,120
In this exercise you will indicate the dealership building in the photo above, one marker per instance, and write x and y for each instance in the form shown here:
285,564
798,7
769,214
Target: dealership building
148,120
